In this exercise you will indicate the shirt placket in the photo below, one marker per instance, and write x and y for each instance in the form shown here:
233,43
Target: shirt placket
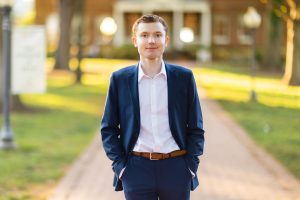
153,114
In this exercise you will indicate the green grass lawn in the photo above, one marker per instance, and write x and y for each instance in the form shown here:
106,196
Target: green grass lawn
60,126
273,121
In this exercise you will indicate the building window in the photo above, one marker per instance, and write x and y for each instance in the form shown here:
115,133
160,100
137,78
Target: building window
193,21
168,17
243,34
221,29
130,18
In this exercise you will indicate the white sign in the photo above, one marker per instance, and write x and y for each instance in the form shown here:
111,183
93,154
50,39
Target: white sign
28,60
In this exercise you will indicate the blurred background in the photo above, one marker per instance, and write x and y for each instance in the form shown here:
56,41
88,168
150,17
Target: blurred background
245,55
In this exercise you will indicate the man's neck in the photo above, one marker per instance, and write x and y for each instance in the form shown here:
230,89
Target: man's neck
151,67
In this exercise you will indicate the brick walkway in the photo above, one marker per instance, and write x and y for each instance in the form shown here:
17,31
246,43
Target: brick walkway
232,168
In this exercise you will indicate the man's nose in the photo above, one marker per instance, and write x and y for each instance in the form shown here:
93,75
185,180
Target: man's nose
151,39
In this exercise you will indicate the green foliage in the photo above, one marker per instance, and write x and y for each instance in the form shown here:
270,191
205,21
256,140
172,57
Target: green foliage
61,124
191,50
273,121
126,51
275,22
237,54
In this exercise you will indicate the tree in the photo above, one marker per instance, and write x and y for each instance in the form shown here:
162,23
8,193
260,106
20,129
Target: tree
62,54
289,10
79,16
292,64
1,67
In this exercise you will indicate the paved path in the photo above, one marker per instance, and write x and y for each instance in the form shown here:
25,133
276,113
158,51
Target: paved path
232,168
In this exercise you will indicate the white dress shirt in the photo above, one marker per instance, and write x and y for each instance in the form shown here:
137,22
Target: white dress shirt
155,134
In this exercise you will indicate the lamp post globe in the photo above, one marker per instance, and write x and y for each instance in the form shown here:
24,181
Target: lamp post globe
252,19
108,26
186,35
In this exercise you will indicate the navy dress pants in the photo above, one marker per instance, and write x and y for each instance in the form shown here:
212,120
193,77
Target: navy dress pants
168,179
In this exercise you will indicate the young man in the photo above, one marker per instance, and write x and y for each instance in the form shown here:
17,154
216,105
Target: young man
152,127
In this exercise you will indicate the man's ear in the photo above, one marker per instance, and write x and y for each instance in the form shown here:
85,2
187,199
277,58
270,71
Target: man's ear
167,40
133,40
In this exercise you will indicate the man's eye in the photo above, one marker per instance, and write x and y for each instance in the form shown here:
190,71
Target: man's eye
158,35
144,35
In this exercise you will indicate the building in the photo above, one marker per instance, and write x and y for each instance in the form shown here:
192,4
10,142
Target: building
217,25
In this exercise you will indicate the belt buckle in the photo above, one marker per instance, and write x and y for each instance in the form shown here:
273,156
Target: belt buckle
151,157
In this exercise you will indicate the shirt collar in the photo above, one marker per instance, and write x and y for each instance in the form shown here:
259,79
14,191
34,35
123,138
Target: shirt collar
141,73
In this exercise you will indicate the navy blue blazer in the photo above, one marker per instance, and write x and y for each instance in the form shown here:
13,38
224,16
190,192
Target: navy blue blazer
120,124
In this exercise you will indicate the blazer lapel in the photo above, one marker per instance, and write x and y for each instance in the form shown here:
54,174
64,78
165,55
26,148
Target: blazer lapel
172,79
134,92
171,86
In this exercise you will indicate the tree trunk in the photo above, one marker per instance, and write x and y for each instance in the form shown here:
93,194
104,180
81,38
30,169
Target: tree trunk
1,67
17,104
295,76
62,55
80,24
292,63
272,59
289,51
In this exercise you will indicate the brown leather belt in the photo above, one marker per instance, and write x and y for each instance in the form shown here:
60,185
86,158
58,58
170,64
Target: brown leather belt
160,156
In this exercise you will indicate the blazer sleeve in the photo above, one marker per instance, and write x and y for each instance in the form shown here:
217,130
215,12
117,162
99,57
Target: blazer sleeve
195,132
110,128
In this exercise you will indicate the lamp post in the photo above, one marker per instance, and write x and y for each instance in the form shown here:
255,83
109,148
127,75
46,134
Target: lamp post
7,141
252,20
108,28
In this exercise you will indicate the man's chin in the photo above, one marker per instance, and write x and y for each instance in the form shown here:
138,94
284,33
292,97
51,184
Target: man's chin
154,57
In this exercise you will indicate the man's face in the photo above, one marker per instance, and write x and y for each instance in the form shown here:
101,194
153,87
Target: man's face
150,40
